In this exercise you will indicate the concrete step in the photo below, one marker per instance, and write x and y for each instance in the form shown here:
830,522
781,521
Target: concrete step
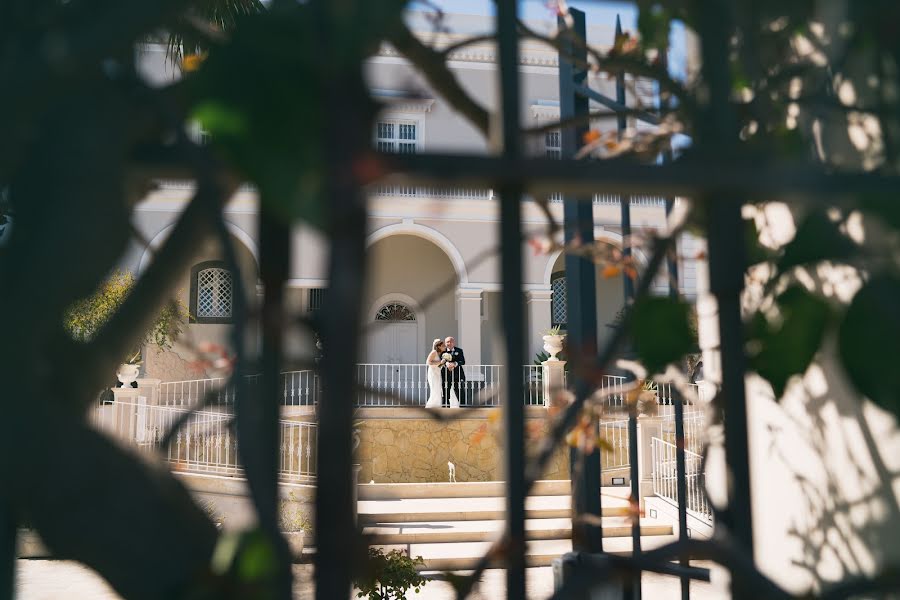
482,531
474,489
459,556
417,510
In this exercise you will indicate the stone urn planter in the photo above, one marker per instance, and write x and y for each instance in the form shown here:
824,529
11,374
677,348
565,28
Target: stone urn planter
294,541
128,374
293,524
553,345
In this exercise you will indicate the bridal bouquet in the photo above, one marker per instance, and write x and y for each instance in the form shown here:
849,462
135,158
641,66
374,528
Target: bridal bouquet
447,356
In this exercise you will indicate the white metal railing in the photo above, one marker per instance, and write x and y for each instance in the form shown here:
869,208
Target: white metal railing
299,441
188,393
613,386
665,478
534,385
613,199
614,451
694,426
392,385
666,394
404,191
407,385
207,442
300,388
401,385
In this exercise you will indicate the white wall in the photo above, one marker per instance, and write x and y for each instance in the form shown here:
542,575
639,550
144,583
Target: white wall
824,462
415,267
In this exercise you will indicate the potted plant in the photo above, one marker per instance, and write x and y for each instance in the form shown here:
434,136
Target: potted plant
553,342
390,575
294,524
85,318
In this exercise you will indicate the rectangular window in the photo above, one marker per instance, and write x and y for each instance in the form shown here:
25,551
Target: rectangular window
553,144
400,137
315,299
553,148
212,293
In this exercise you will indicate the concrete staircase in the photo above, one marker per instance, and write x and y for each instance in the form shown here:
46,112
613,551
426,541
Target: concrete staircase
451,525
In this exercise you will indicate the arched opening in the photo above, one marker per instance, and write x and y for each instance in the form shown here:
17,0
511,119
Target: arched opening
207,290
395,334
411,298
609,292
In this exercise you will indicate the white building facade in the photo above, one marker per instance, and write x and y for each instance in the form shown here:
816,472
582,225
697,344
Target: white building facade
433,253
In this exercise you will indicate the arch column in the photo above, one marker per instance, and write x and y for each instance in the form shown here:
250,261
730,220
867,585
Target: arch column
468,302
539,318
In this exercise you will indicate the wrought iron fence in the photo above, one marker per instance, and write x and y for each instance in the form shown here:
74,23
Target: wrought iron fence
192,391
206,442
433,192
383,384
665,478
614,449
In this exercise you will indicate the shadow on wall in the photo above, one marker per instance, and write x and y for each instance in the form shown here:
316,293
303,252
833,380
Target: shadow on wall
825,475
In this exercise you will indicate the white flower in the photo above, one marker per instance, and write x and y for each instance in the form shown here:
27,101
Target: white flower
446,356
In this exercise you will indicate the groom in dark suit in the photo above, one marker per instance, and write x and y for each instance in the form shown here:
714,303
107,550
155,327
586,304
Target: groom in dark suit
452,373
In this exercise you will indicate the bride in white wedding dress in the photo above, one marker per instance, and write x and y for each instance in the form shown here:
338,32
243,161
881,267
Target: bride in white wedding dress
434,364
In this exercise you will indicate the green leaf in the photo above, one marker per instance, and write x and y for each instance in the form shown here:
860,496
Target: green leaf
868,344
653,23
220,120
789,143
818,238
887,208
661,331
257,561
779,350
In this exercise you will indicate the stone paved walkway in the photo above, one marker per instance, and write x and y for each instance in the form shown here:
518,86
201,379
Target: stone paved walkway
65,580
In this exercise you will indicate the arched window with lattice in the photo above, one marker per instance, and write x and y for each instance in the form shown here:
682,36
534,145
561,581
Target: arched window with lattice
212,293
395,311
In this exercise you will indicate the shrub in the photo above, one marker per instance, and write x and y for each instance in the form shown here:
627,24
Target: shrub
390,575
85,318
291,517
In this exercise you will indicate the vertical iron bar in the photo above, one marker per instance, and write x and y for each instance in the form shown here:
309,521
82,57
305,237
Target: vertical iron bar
513,321
8,534
633,587
717,134
578,227
677,400
260,410
625,202
681,479
339,551
340,327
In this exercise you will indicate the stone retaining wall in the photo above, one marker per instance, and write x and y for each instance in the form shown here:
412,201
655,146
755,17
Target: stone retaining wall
400,445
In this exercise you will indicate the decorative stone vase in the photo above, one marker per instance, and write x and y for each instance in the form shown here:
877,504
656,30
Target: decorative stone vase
553,345
294,541
128,374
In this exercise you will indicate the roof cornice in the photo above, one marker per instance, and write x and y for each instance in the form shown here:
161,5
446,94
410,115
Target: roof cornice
477,54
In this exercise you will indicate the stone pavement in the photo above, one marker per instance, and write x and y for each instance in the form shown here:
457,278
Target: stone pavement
65,580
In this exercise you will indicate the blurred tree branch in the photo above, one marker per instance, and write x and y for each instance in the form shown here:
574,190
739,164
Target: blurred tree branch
434,68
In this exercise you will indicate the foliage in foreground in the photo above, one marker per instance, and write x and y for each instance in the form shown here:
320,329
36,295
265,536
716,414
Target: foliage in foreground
390,575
